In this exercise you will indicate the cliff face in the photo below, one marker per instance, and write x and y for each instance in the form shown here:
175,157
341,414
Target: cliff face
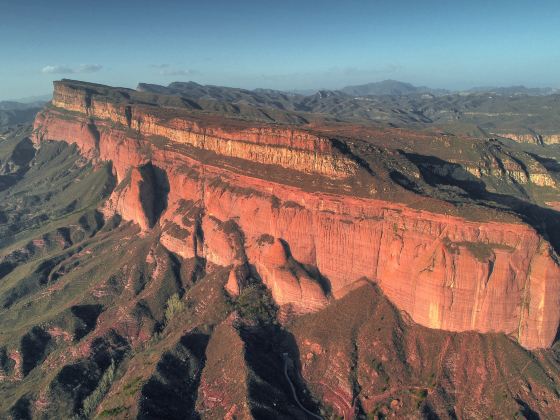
533,138
520,171
307,246
294,149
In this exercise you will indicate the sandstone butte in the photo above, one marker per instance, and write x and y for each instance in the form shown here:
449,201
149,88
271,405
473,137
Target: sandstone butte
444,271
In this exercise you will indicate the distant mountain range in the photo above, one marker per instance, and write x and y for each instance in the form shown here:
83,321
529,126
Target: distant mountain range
32,99
19,106
398,104
390,87
12,112
477,112
383,88
515,90
396,88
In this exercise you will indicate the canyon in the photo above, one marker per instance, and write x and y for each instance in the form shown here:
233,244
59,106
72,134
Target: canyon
444,271
365,253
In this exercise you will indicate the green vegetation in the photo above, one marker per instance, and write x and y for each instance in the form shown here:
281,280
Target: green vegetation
255,304
93,400
173,307
265,239
275,202
292,205
482,251
69,276
112,412
133,387
125,181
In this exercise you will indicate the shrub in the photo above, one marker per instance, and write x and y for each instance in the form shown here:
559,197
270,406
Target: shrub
93,400
173,307
256,304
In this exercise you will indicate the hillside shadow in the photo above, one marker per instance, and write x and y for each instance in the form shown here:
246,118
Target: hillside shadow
438,172
171,392
154,191
88,315
265,349
21,157
550,164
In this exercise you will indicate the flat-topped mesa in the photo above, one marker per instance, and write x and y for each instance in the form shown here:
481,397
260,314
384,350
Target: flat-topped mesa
504,166
311,247
266,144
532,137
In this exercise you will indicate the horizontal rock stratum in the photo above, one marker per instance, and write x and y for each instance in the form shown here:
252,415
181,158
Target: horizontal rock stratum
284,200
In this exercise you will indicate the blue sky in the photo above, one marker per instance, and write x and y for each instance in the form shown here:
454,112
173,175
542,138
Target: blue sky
278,44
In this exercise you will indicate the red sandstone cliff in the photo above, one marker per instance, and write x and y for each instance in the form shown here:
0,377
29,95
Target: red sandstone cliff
308,246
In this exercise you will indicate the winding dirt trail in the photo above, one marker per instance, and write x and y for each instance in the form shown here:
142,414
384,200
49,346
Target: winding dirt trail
293,388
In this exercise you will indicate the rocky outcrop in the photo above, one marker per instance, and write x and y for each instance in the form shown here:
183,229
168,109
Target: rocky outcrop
223,385
134,198
532,137
523,169
290,283
289,148
308,246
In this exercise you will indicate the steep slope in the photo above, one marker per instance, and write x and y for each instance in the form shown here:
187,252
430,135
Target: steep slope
445,271
153,264
361,357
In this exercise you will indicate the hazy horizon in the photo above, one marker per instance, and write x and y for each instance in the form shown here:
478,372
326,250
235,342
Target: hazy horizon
288,46
42,96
